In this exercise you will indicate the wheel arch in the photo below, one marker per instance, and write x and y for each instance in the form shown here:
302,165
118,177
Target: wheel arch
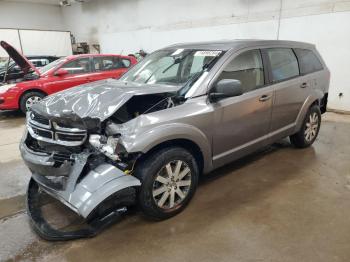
314,99
35,89
187,144
185,135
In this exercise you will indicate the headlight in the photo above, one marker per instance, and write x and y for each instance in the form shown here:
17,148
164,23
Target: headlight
107,146
4,88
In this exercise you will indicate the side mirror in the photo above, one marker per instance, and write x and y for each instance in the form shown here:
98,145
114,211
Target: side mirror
61,72
226,88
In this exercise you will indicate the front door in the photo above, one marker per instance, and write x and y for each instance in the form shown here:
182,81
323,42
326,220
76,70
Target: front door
79,72
242,122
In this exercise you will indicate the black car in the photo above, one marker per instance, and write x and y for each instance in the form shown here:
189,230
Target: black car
10,72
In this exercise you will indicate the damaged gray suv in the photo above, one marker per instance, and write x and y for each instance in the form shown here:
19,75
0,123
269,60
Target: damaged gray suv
183,111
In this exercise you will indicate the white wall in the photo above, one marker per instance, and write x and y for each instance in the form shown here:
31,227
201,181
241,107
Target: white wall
30,16
330,33
38,18
126,26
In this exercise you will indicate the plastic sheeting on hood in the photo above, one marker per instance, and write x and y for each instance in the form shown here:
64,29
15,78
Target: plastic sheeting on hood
98,100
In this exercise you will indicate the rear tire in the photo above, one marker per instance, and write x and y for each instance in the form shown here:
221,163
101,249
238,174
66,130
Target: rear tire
308,132
29,99
169,180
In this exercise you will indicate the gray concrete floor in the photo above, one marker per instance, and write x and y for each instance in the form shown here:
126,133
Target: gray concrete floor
280,204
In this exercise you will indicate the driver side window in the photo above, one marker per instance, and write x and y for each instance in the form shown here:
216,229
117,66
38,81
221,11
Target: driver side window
247,68
78,66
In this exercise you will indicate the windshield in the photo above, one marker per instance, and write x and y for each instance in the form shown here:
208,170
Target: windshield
170,67
48,67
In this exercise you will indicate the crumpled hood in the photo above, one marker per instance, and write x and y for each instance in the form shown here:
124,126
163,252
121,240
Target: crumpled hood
98,100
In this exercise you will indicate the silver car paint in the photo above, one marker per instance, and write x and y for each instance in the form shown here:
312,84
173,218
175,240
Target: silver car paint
223,131
241,124
84,196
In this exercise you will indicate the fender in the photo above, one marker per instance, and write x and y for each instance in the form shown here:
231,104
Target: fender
99,184
159,134
316,95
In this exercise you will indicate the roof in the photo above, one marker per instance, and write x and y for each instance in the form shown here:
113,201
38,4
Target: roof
240,43
40,56
93,55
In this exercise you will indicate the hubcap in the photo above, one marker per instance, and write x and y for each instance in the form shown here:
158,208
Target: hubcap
31,101
172,184
311,127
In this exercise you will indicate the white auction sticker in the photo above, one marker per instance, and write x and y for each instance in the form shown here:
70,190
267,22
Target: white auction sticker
207,53
178,51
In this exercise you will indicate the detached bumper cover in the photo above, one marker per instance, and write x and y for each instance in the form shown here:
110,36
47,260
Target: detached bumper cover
82,195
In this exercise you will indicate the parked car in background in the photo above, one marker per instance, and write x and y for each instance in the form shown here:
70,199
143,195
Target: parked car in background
59,75
183,111
11,72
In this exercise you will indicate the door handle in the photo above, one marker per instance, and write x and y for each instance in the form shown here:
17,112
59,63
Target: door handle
304,85
264,98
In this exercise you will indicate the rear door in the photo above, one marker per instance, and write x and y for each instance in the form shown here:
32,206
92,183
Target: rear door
79,72
291,89
109,67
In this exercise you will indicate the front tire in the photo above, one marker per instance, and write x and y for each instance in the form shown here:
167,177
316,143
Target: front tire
308,132
169,179
29,99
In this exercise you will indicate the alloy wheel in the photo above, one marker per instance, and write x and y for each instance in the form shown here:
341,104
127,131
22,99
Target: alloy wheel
172,184
311,127
31,101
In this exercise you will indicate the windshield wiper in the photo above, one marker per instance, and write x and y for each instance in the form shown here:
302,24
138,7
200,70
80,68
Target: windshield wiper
182,91
176,61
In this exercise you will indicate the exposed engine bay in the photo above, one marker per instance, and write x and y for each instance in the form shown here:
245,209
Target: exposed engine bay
138,105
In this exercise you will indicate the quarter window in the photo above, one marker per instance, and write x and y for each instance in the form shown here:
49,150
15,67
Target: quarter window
126,63
284,64
308,61
247,68
78,66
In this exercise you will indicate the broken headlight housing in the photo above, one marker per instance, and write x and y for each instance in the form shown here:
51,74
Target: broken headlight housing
109,146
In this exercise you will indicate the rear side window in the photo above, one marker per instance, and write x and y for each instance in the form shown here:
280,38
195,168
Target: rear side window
107,63
308,61
284,64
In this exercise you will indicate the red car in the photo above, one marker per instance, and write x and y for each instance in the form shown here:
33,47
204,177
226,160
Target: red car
59,75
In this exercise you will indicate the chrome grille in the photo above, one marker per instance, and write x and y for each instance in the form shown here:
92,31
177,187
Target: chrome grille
46,130
39,119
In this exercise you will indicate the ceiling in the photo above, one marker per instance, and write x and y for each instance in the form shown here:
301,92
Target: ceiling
49,2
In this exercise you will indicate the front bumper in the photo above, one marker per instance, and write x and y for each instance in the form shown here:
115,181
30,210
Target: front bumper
80,190
64,183
9,100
